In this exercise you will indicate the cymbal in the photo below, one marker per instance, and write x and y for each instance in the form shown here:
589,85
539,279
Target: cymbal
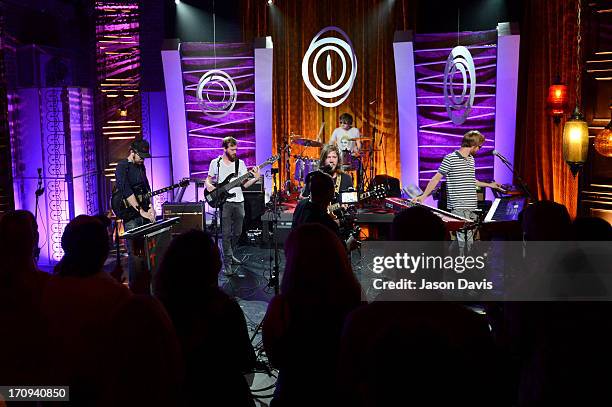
303,141
361,139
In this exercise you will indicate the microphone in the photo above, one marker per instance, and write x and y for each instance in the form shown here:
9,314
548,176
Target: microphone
327,169
372,102
40,190
501,157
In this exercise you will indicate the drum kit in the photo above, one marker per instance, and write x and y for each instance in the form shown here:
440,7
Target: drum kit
352,162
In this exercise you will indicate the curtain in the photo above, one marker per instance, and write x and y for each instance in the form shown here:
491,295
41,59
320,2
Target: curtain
548,49
370,25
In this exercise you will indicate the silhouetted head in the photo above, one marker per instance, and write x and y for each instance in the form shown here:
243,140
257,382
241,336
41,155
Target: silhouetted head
546,221
86,246
191,263
417,224
18,237
591,228
321,188
317,271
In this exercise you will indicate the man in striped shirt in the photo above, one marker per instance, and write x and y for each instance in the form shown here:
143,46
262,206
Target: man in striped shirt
460,173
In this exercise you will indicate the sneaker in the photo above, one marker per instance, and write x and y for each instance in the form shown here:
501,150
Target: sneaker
236,261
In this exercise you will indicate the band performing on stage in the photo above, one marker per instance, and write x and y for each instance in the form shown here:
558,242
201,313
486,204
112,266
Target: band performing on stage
278,203
334,191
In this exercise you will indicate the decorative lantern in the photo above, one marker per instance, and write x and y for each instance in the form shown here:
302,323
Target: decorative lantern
603,141
557,100
575,141
576,130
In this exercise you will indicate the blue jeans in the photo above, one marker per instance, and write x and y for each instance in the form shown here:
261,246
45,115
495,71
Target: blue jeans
465,239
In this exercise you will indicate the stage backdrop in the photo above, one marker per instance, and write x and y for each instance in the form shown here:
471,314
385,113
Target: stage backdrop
370,25
437,134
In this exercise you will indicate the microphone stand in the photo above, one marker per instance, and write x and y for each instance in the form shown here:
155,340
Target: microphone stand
219,209
275,271
518,177
39,191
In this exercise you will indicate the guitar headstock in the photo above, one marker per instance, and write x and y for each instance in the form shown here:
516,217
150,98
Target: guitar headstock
184,182
271,160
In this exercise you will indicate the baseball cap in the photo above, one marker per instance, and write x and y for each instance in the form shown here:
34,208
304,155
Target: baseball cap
141,147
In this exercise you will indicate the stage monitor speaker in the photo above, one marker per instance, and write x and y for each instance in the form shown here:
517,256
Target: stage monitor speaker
254,207
192,215
392,185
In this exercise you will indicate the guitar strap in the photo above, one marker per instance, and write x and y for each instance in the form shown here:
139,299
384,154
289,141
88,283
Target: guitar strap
237,163
338,182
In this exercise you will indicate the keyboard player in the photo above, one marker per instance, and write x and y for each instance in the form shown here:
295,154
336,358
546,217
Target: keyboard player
460,172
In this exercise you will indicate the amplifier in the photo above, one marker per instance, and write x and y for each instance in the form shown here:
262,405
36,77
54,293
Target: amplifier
283,227
391,184
192,215
254,207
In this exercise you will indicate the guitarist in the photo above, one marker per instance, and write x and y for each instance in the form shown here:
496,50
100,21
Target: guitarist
314,209
131,180
329,163
233,208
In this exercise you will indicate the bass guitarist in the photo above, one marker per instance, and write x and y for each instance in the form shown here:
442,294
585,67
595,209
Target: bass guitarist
233,208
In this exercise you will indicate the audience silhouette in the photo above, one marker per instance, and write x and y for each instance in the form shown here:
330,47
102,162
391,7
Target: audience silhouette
189,343
210,325
302,326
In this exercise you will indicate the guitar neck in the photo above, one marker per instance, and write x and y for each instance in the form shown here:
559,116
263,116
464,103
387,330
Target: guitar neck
238,181
336,206
161,191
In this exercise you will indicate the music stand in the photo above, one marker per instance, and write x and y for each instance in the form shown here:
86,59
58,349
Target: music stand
149,243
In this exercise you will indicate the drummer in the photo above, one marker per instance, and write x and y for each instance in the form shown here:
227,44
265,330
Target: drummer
343,136
329,162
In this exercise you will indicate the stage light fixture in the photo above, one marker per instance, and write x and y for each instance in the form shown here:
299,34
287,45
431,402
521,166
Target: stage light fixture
177,1
269,2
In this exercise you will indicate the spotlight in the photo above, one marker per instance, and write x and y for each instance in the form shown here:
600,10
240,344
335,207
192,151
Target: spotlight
269,2
177,1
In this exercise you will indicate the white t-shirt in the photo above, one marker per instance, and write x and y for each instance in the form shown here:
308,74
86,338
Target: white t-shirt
343,138
224,171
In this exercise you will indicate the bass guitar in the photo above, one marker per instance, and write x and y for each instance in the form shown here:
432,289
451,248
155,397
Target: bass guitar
220,194
123,210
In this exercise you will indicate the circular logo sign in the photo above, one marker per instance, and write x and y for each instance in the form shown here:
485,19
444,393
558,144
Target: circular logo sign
216,93
341,46
459,84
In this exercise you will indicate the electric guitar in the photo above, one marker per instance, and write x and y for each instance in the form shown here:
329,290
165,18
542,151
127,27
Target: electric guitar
220,194
378,192
124,210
